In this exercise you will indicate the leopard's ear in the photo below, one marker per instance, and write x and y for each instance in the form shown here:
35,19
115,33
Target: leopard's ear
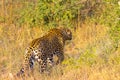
66,33
69,34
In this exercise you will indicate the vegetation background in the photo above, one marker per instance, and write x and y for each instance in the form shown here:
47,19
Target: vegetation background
94,52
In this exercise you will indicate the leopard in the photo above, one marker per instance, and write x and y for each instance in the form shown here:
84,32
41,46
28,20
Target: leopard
42,50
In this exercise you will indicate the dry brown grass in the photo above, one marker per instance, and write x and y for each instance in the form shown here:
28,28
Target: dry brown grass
13,41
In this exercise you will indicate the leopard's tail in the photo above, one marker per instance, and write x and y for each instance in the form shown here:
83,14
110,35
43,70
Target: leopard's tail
27,64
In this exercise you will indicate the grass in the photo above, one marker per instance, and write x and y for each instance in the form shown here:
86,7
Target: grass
89,56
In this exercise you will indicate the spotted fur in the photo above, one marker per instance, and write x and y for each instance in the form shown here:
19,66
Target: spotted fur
43,49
